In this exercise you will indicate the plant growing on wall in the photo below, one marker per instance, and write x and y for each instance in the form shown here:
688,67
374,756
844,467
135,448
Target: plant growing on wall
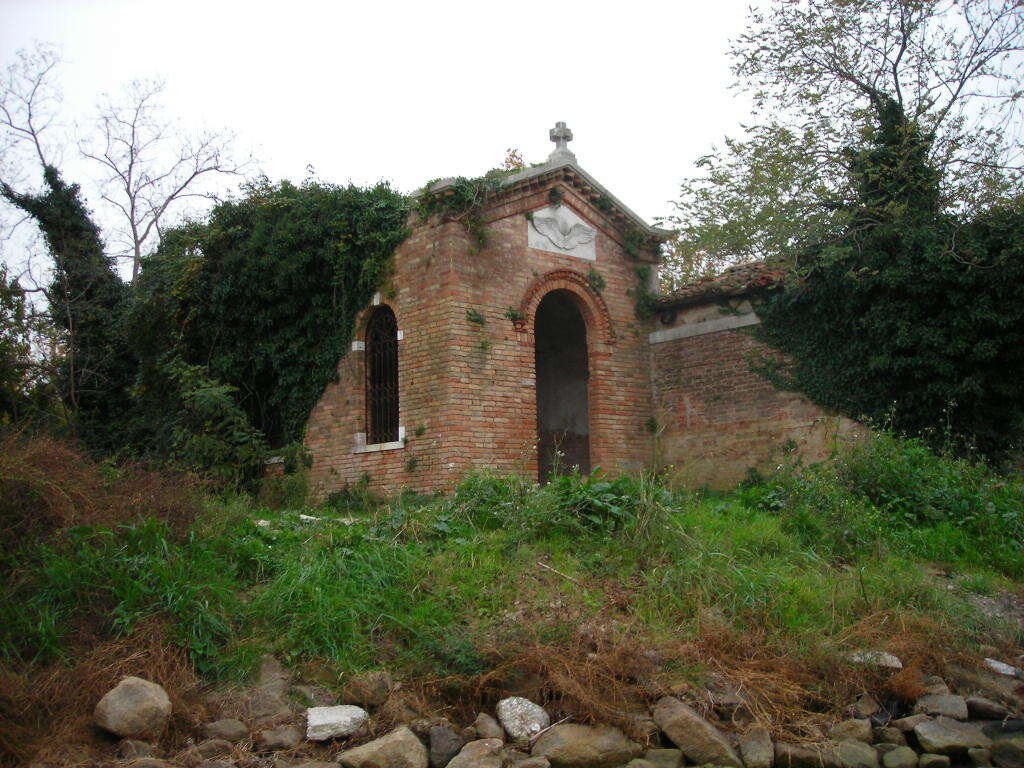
913,315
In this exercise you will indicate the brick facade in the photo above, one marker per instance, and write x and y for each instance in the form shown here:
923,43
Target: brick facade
467,389
717,417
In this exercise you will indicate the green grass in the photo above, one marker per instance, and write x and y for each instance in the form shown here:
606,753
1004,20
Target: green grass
429,584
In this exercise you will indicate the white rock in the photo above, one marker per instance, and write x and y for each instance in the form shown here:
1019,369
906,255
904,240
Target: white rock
1003,669
876,659
263,523
324,723
521,718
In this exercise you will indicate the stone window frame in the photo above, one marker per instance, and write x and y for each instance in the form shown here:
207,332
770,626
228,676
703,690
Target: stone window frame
359,345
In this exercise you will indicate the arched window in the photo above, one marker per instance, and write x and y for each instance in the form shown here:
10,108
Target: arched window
382,376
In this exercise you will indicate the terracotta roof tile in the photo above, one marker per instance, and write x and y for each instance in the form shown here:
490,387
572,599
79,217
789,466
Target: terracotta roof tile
740,280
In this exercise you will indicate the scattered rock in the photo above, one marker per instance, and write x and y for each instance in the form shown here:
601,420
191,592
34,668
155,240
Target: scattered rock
665,758
639,762
930,760
884,749
228,729
342,721
370,689
858,730
900,757
488,728
1001,729
445,744
876,659
585,746
521,718
214,747
794,756
981,708
888,735
945,736
134,708
756,748
398,749
273,739
937,704
189,756
1003,669
700,741
980,757
128,749
1008,753
907,724
482,753
515,759
856,754
865,706
934,684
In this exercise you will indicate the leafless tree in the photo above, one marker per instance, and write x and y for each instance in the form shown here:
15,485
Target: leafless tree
150,166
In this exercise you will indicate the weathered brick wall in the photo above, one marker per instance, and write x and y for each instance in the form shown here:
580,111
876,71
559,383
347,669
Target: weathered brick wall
716,416
422,278
467,390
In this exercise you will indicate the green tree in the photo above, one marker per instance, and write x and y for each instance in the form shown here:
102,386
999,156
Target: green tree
15,350
819,72
913,314
86,299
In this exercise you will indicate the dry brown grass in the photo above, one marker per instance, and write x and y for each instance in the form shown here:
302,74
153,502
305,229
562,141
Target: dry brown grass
796,693
48,484
46,716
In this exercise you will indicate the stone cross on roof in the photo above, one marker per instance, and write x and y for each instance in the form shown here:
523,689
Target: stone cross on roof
561,136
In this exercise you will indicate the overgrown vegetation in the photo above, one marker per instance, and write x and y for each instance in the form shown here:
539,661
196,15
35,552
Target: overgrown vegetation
910,315
462,200
222,345
803,558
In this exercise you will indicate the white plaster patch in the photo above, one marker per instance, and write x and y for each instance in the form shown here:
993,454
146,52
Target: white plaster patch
358,346
559,229
723,323
401,334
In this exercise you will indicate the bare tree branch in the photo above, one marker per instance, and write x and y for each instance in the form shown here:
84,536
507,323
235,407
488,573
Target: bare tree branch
150,167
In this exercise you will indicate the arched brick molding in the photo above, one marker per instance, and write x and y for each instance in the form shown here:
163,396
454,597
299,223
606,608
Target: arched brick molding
595,311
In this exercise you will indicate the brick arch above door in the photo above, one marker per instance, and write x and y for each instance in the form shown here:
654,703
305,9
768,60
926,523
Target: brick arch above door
592,306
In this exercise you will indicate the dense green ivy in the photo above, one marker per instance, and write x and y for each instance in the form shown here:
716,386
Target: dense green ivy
86,299
914,316
263,297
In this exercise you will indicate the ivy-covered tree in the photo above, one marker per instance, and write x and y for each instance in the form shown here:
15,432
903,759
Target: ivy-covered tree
817,71
912,315
86,300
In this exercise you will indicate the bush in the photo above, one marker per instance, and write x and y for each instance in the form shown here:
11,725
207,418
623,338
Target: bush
885,490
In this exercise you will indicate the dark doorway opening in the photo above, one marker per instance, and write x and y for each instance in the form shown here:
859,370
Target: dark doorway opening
563,409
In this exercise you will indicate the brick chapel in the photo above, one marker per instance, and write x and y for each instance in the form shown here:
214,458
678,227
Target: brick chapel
528,354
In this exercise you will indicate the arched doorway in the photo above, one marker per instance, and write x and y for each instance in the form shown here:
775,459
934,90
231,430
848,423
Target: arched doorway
563,409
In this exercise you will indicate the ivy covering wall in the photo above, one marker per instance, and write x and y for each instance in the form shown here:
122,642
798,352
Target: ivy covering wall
914,316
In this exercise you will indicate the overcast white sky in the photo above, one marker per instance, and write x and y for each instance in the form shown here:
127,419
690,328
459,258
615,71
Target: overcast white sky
409,91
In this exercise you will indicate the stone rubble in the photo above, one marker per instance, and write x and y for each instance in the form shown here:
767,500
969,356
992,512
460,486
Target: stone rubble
134,709
521,718
982,728
323,723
